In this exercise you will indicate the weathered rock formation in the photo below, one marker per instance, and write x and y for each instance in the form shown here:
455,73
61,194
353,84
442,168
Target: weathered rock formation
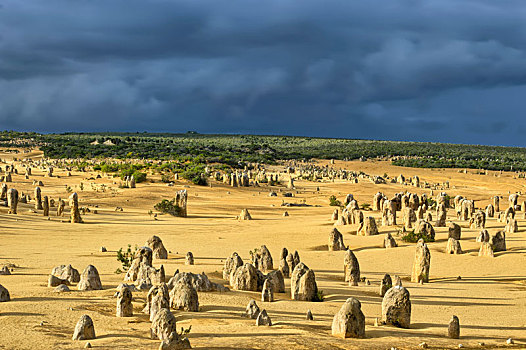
89,280
84,330
349,322
303,283
421,263
396,307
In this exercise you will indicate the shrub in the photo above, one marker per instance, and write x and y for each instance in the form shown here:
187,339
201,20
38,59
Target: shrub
274,183
412,237
195,174
200,180
430,202
334,202
168,207
185,332
139,176
319,297
125,257
196,178
167,178
109,168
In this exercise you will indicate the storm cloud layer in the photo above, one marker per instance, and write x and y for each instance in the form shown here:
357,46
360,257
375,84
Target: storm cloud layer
435,70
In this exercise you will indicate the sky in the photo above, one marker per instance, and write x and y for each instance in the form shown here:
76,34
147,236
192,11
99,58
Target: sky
434,70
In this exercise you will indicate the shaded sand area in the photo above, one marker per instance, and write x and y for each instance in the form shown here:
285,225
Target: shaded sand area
489,299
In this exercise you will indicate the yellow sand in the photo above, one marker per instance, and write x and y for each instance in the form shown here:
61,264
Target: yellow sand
490,298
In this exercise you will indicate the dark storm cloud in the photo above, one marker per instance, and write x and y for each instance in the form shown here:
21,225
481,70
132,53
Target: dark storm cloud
432,70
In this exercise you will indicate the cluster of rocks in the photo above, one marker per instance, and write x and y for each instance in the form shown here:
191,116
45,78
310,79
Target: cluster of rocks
141,270
252,311
412,207
12,198
251,276
241,179
180,293
63,276
490,244
129,181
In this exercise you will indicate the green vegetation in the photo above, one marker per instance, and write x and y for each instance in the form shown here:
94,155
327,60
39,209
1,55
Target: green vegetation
168,207
319,297
430,202
365,206
167,178
333,201
125,257
185,332
195,173
235,151
412,237
123,170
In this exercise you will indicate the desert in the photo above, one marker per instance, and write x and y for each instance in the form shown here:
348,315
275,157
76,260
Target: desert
485,294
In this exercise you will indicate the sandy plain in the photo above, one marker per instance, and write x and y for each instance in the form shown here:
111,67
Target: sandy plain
489,299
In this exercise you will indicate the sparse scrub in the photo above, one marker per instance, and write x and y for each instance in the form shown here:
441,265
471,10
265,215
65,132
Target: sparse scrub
319,297
334,202
168,207
125,257
412,237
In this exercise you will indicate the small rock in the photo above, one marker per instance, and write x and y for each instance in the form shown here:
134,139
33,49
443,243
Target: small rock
61,289
84,329
88,345
132,287
460,346
54,281
367,282
423,345
453,330
309,315
263,319
267,294
252,310
510,341
103,250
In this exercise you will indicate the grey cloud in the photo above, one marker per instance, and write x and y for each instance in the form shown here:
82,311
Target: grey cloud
408,69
